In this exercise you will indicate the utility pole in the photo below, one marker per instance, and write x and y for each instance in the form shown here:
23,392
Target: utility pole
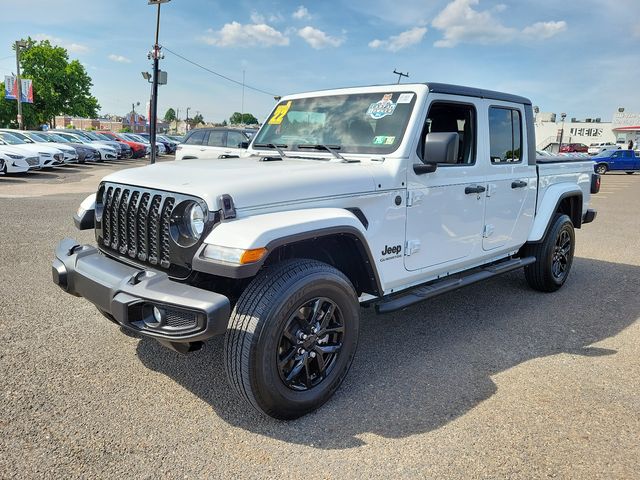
563,116
400,74
19,44
187,120
153,121
242,109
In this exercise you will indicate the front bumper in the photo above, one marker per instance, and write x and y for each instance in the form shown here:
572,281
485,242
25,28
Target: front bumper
127,295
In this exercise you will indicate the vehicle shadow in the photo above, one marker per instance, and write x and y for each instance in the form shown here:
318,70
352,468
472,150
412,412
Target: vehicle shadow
419,369
8,178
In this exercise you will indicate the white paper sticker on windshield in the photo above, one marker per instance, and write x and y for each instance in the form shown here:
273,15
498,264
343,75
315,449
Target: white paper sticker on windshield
382,108
405,98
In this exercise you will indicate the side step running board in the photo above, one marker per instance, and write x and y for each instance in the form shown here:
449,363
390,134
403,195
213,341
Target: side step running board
425,292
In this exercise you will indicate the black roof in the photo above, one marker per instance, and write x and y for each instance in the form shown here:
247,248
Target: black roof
476,92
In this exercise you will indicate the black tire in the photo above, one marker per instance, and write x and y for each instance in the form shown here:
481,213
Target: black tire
630,173
553,257
601,169
262,350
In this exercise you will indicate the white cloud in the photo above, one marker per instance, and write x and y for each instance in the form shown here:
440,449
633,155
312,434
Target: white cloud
301,13
544,29
318,39
70,46
257,17
249,35
119,58
461,23
400,41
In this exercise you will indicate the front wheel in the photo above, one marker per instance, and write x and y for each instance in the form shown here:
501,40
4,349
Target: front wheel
601,169
630,173
292,337
554,256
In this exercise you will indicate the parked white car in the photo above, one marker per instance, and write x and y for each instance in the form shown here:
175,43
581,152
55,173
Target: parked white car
213,143
16,160
49,156
107,152
596,148
70,154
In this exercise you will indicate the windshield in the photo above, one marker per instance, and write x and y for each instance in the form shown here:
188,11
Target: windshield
53,137
11,139
356,123
22,137
604,153
37,137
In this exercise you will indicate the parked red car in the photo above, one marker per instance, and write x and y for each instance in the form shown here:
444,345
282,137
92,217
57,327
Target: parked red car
573,147
139,149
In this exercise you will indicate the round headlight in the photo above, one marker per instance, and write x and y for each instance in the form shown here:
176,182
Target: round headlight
194,216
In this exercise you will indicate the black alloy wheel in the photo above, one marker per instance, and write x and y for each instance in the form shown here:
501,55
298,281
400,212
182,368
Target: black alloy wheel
561,260
310,344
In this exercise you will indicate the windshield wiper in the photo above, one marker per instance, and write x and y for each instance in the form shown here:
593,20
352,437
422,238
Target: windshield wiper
333,149
277,147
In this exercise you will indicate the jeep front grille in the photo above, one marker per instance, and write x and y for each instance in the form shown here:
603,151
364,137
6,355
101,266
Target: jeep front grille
135,224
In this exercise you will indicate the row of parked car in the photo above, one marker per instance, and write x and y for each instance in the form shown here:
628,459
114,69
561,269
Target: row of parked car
21,151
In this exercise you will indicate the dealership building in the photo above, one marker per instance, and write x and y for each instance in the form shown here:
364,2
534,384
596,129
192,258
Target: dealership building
552,129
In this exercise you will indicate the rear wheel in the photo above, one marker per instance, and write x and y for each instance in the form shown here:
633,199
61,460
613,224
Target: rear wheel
601,169
554,256
292,337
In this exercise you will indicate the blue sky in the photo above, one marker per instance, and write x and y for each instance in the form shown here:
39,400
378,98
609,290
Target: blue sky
580,57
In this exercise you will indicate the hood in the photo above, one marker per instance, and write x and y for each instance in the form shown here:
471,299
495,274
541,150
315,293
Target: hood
250,182
62,146
36,148
15,151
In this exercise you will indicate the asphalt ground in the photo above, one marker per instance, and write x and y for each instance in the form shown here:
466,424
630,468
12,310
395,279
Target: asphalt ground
493,381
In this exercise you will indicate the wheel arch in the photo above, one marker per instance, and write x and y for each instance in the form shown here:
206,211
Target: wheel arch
334,236
568,201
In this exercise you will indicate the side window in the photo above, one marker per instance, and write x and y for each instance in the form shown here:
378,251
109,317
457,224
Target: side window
453,118
196,138
216,138
617,154
505,135
234,139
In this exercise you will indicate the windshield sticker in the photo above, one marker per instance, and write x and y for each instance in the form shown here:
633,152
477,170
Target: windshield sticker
382,108
279,114
384,140
405,98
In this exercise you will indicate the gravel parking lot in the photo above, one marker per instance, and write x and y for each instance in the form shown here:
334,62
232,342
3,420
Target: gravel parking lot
492,381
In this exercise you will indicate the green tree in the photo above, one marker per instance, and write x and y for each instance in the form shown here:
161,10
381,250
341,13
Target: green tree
60,86
125,130
170,116
196,120
245,119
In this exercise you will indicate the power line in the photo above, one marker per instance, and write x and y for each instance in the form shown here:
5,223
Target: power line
218,74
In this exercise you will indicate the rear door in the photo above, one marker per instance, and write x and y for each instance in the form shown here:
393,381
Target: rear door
192,145
511,181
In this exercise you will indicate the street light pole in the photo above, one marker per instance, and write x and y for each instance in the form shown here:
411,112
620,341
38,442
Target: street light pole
563,116
153,121
19,44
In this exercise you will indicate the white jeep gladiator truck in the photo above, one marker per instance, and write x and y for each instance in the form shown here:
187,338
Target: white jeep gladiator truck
375,196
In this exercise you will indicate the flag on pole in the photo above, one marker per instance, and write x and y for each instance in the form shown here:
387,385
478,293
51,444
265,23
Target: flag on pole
11,89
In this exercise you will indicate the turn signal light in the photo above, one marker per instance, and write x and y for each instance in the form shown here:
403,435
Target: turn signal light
251,256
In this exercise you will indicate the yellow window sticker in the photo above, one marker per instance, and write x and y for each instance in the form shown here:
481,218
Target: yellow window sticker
279,114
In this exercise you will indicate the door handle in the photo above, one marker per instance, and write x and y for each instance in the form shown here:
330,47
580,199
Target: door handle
518,184
475,189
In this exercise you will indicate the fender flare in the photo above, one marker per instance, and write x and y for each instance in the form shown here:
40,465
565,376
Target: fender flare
274,230
551,201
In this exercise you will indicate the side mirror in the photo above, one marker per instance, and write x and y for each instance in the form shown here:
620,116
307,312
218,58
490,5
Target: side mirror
441,147
243,145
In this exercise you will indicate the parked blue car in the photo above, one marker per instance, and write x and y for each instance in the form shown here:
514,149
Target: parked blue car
611,160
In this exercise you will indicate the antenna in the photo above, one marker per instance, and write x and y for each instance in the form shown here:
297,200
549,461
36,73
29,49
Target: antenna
400,74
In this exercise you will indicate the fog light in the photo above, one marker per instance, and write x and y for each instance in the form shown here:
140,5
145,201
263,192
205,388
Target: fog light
158,317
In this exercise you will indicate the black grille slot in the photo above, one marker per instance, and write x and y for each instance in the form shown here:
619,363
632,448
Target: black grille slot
154,230
180,318
136,226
